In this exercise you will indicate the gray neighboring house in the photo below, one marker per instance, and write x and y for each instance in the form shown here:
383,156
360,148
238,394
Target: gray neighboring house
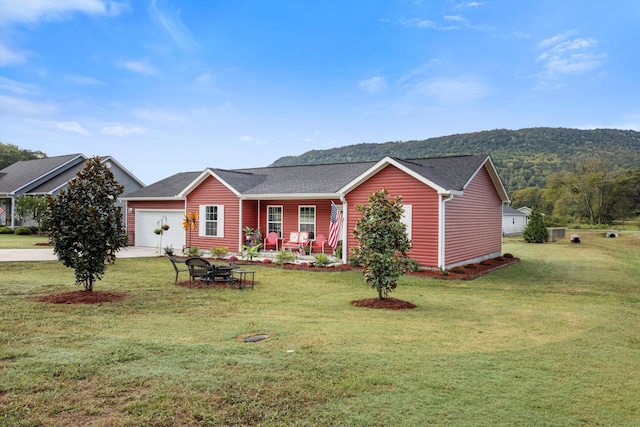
48,176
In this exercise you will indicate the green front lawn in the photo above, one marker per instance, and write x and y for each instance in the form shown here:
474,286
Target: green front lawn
14,241
552,340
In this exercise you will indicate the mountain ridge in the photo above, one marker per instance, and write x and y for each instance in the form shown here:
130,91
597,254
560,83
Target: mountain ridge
523,157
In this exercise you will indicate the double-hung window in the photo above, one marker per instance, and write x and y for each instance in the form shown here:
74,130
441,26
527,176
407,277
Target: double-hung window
274,220
307,220
211,221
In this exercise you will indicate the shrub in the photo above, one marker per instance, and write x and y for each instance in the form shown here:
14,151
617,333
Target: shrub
194,251
23,231
284,257
413,265
219,252
321,260
233,259
507,255
266,261
6,230
458,270
470,266
536,230
168,250
499,258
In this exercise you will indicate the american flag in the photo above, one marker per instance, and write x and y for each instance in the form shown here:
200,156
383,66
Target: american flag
1,211
334,228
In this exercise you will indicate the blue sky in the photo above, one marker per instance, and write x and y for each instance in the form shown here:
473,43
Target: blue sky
167,86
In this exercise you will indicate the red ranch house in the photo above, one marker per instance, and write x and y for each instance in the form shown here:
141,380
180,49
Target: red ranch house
453,205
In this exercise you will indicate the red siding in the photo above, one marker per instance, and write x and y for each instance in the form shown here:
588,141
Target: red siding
212,192
155,204
424,202
473,222
290,214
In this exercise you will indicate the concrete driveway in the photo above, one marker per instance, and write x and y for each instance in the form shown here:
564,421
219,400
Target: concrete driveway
46,254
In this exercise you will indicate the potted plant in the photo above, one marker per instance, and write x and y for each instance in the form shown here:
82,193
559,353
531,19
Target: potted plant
248,232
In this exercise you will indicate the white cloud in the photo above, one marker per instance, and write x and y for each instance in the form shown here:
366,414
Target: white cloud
417,23
16,87
10,56
172,23
141,67
27,11
447,90
246,138
121,130
159,115
373,85
204,78
84,80
20,106
72,127
564,55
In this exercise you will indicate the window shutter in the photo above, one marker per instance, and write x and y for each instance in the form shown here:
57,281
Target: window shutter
202,228
220,220
406,218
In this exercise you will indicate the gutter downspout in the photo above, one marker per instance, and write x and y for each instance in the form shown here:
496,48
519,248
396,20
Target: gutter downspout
344,229
441,229
240,224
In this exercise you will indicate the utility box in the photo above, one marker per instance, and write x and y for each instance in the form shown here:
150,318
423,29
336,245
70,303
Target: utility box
556,233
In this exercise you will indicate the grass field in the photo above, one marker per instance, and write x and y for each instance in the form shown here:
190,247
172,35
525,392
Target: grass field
553,340
13,241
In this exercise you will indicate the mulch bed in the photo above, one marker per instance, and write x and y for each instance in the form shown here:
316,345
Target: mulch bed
386,303
83,297
467,272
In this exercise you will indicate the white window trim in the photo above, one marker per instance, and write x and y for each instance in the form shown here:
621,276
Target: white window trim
202,221
275,222
315,218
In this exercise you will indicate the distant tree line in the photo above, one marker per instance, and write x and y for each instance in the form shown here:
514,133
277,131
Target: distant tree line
9,154
590,190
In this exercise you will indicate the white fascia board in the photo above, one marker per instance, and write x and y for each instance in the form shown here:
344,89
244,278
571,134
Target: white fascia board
290,196
200,179
384,163
495,178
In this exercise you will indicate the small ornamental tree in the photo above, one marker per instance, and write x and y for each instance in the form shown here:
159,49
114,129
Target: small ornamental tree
382,242
84,224
31,206
536,230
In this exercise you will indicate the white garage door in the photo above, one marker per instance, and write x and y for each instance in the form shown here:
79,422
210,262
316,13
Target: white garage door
149,220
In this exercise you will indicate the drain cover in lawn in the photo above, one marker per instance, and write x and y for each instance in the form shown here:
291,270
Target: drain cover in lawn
255,338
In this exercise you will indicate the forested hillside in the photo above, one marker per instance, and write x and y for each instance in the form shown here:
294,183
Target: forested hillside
524,158
9,154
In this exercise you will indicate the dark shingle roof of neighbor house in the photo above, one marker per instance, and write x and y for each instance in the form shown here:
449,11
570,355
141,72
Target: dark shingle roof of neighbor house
19,174
166,188
451,173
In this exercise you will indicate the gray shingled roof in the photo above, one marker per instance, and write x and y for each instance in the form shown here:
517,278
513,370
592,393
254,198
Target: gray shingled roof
168,187
19,174
306,179
451,173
